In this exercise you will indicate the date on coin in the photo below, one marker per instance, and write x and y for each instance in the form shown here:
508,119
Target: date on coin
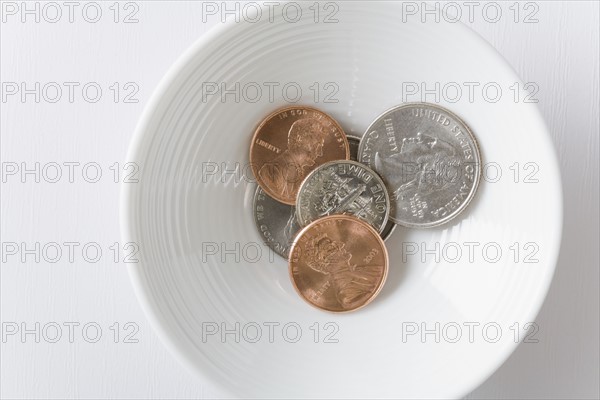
289,144
338,263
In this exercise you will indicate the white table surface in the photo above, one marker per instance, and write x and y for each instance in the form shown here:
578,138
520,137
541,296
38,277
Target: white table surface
559,53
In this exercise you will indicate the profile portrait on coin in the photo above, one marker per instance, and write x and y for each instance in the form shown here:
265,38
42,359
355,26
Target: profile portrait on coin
291,227
285,173
350,282
427,164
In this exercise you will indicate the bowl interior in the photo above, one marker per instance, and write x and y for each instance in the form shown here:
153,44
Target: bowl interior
210,285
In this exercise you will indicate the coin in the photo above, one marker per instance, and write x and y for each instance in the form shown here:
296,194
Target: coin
354,142
388,229
338,263
429,160
290,143
343,187
276,222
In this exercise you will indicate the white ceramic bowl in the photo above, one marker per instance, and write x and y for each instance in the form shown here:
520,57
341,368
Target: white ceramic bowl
180,216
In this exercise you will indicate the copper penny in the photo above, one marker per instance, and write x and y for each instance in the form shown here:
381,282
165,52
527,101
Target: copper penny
290,143
338,263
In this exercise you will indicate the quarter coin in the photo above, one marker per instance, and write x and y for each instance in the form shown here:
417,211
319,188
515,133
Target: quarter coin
428,158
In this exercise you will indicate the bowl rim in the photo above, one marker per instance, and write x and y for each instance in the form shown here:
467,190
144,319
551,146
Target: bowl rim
176,347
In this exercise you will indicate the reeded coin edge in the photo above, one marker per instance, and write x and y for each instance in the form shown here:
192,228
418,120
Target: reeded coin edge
391,231
351,136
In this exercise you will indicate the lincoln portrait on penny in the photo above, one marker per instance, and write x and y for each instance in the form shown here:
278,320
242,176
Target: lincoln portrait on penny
285,173
352,284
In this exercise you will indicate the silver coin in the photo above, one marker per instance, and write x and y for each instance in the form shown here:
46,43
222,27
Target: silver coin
429,160
343,187
388,229
276,222
354,142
